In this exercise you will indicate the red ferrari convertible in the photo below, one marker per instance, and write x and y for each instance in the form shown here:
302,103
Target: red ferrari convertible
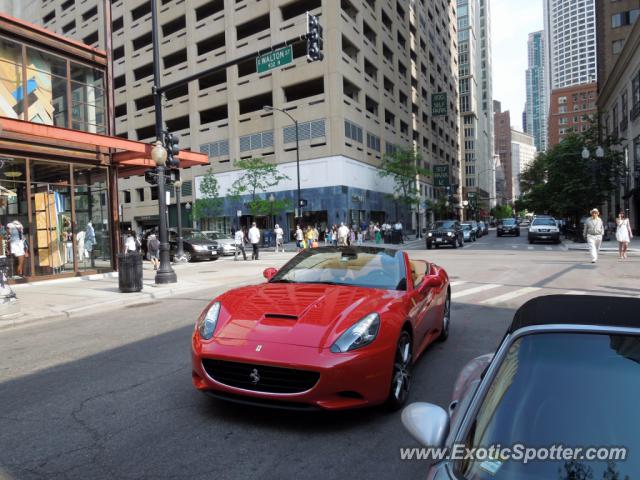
334,328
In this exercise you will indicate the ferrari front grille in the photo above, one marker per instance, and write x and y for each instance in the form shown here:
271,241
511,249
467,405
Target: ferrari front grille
260,378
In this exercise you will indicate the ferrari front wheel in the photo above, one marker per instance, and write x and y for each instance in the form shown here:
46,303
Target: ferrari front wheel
401,378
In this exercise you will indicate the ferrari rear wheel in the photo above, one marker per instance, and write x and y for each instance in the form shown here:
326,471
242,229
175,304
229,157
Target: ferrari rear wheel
446,319
401,378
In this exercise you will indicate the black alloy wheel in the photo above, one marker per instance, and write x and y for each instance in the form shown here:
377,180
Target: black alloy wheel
446,319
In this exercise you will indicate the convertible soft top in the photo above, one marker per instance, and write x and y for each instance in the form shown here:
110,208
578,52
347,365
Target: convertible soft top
578,310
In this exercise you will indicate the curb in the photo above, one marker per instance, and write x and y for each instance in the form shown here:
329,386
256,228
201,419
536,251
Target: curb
142,297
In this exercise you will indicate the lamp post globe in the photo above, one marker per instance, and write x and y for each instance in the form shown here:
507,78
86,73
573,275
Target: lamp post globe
585,153
159,153
600,152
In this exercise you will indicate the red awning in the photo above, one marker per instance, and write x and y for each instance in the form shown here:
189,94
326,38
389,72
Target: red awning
130,154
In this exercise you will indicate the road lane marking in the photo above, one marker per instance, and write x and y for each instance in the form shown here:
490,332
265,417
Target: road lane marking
510,296
514,246
457,283
548,248
529,248
471,291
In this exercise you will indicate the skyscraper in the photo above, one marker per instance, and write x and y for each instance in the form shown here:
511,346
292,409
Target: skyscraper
476,102
570,47
536,107
570,28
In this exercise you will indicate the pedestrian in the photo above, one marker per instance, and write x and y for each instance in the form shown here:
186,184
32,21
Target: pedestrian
299,238
327,236
361,236
377,234
153,249
239,242
130,243
334,236
623,235
254,240
17,245
279,233
593,231
343,235
352,235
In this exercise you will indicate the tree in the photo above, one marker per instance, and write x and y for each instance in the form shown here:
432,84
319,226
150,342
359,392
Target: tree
561,182
502,211
403,166
258,176
209,206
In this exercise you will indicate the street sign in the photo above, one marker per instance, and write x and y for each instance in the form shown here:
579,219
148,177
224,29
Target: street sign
303,202
239,213
441,175
275,59
438,104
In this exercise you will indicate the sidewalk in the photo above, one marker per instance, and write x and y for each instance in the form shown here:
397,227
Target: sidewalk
71,297
610,246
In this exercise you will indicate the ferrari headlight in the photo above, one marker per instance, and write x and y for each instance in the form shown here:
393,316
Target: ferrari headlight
361,333
207,322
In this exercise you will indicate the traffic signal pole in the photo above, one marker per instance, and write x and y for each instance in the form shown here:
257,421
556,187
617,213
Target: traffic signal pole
165,273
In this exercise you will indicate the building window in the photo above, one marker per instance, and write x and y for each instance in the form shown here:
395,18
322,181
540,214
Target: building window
635,96
373,142
216,149
140,194
616,46
256,141
352,131
154,193
306,131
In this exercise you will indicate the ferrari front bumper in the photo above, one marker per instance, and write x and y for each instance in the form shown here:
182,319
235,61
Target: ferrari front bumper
346,380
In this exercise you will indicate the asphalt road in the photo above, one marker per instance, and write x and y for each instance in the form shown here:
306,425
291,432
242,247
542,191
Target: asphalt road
109,396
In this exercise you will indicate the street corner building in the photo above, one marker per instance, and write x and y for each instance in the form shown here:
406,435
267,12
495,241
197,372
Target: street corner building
59,164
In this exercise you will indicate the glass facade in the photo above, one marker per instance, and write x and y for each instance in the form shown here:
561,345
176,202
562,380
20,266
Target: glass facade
61,210
45,88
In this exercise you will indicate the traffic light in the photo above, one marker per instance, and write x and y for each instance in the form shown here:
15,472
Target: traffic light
151,177
171,141
314,38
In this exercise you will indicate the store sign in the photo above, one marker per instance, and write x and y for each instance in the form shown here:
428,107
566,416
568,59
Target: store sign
441,175
438,104
275,59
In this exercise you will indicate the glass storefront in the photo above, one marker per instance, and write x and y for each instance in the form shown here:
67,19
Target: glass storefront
55,90
61,211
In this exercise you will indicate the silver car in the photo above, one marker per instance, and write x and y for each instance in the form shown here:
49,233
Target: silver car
226,244
566,373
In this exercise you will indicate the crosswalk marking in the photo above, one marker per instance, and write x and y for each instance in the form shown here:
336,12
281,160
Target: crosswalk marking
529,248
471,291
457,283
514,246
511,295
548,248
575,292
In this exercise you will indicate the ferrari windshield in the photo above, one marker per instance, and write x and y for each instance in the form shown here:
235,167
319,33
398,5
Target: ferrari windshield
362,267
571,389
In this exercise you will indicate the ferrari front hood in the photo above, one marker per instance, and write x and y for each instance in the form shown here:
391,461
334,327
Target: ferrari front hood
295,314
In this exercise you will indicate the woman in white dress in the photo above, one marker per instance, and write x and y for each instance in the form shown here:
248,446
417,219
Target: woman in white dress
623,234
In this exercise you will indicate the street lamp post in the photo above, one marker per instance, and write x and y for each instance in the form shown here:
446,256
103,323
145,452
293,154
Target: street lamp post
165,273
269,108
179,256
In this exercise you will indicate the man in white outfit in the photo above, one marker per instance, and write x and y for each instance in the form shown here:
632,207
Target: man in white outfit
343,234
593,231
254,240
239,241
279,238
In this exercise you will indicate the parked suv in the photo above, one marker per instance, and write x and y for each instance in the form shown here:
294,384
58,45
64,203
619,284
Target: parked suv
544,229
445,232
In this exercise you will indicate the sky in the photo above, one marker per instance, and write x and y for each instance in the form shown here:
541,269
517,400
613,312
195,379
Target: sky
511,23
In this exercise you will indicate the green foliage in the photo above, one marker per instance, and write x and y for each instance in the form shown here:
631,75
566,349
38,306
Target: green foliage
561,182
441,209
403,166
209,206
502,211
258,176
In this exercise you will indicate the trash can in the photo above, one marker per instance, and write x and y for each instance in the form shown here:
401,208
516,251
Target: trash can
129,272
